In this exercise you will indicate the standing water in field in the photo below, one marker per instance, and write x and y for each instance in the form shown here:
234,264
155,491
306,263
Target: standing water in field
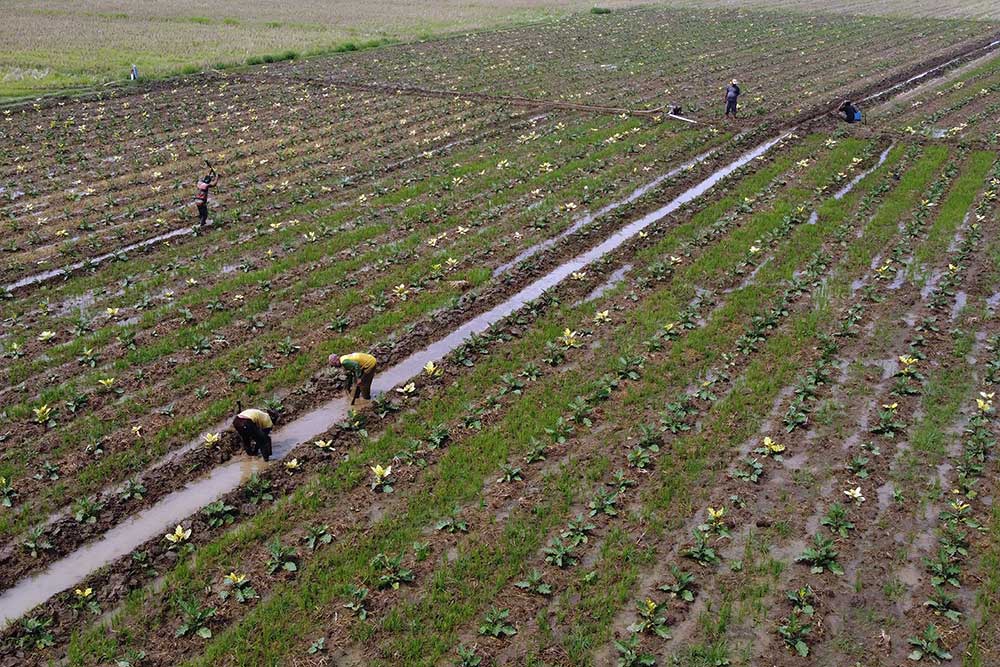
842,192
590,217
94,261
180,504
613,280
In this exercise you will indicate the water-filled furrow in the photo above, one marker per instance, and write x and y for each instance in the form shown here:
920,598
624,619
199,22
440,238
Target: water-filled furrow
590,217
902,84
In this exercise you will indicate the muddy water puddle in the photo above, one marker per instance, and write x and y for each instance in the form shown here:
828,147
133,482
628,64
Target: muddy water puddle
960,300
65,270
844,191
228,476
993,301
613,280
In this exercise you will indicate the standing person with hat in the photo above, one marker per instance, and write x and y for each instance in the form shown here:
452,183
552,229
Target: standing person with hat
732,97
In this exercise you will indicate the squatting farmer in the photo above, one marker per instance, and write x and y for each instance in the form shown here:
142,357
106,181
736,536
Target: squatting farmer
254,428
360,367
201,199
850,112
732,97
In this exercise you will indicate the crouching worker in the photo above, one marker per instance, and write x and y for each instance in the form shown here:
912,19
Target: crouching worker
849,112
254,428
360,368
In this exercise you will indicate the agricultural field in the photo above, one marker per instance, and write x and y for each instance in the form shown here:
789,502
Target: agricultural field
57,44
965,9
965,106
651,392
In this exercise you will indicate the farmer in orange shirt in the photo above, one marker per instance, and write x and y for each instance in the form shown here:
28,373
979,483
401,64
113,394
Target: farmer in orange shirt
360,367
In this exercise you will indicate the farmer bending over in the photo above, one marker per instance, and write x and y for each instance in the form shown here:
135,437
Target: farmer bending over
254,427
732,97
201,199
850,112
360,368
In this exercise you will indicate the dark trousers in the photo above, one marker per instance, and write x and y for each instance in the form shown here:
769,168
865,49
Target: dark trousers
364,386
203,212
256,440
731,106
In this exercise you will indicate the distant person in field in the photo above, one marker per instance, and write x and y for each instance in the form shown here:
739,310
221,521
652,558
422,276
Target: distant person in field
360,368
850,112
732,97
133,75
201,199
254,428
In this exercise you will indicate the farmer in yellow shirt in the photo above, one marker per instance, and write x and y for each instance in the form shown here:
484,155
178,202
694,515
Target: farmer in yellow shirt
360,367
254,428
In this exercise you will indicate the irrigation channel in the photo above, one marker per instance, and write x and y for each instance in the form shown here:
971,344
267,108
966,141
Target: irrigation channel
173,508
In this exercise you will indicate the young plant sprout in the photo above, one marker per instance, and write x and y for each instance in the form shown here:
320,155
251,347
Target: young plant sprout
495,624
821,556
179,536
855,495
629,654
683,587
391,571
281,557
770,448
381,478
357,604
85,600
928,645
239,587
534,584
651,619
7,492
317,536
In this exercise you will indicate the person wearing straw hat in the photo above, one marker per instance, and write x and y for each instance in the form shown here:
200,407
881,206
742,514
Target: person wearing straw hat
732,97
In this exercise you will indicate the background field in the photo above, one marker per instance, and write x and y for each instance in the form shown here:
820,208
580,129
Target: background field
57,44
969,9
